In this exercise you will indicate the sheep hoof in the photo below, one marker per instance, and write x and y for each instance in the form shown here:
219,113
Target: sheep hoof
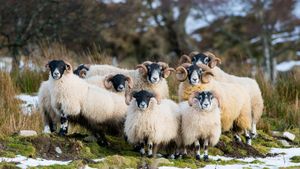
150,155
62,132
253,135
198,157
205,158
237,138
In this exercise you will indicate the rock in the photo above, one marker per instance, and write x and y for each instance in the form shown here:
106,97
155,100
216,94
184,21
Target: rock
284,143
27,133
58,150
276,134
289,136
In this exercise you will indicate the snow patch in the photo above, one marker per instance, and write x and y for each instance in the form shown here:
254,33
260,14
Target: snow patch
24,162
287,65
30,104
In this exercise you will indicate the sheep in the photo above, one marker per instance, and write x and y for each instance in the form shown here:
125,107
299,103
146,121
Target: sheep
234,99
250,84
81,70
50,117
201,120
148,76
113,82
73,97
152,120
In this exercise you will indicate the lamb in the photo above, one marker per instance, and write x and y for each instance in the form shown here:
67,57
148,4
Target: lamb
201,120
234,99
152,120
93,104
250,84
113,82
148,76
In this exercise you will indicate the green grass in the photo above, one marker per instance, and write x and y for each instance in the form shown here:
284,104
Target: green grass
295,159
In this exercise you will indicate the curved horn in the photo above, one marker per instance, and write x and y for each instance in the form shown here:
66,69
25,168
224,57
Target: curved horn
192,54
191,98
185,59
181,73
214,59
129,81
107,81
147,63
163,65
143,69
166,69
82,73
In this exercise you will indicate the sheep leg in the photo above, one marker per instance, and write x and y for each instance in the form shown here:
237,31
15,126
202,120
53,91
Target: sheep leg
237,137
205,146
142,148
46,118
248,137
63,124
150,148
197,148
253,130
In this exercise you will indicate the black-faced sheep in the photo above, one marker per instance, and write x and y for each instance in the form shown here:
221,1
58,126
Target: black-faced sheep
201,121
151,120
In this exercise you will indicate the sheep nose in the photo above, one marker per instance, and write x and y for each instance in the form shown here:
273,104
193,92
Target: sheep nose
56,73
194,79
143,105
155,78
121,87
205,104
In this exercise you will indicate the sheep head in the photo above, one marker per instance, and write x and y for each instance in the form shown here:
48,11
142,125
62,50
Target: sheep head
118,81
58,67
213,59
166,69
143,67
205,99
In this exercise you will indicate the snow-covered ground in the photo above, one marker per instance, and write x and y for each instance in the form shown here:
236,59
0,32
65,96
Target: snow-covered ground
30,103
281,160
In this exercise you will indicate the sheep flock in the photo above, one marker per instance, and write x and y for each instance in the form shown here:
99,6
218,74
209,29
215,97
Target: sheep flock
134,104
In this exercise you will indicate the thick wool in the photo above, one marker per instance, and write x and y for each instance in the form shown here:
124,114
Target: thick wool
234,102
44,103
185,90
74,96
200,124
159,123
250,86
139,82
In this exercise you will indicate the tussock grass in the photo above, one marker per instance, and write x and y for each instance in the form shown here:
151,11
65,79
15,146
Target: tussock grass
11,119
281,101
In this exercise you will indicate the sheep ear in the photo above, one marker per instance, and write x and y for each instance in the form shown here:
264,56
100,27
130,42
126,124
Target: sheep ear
167,72
107,82
206,76
128,97
129,82
192,98
181,73
82,73
158,98
68,67
185,59
143,69
47,66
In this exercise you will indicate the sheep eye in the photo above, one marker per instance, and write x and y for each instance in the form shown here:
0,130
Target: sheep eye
206,60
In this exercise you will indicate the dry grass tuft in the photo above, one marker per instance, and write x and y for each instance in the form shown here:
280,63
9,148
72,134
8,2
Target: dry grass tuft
11,118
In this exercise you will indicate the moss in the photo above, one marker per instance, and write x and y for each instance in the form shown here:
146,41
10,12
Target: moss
261,148
14,146
214,151
74,164
117,161
295,159
5,165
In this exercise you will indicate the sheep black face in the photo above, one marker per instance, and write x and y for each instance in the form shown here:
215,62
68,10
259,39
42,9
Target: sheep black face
118,81
81,70
154,73
57,68
201,59
194,74
143,98
205,100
